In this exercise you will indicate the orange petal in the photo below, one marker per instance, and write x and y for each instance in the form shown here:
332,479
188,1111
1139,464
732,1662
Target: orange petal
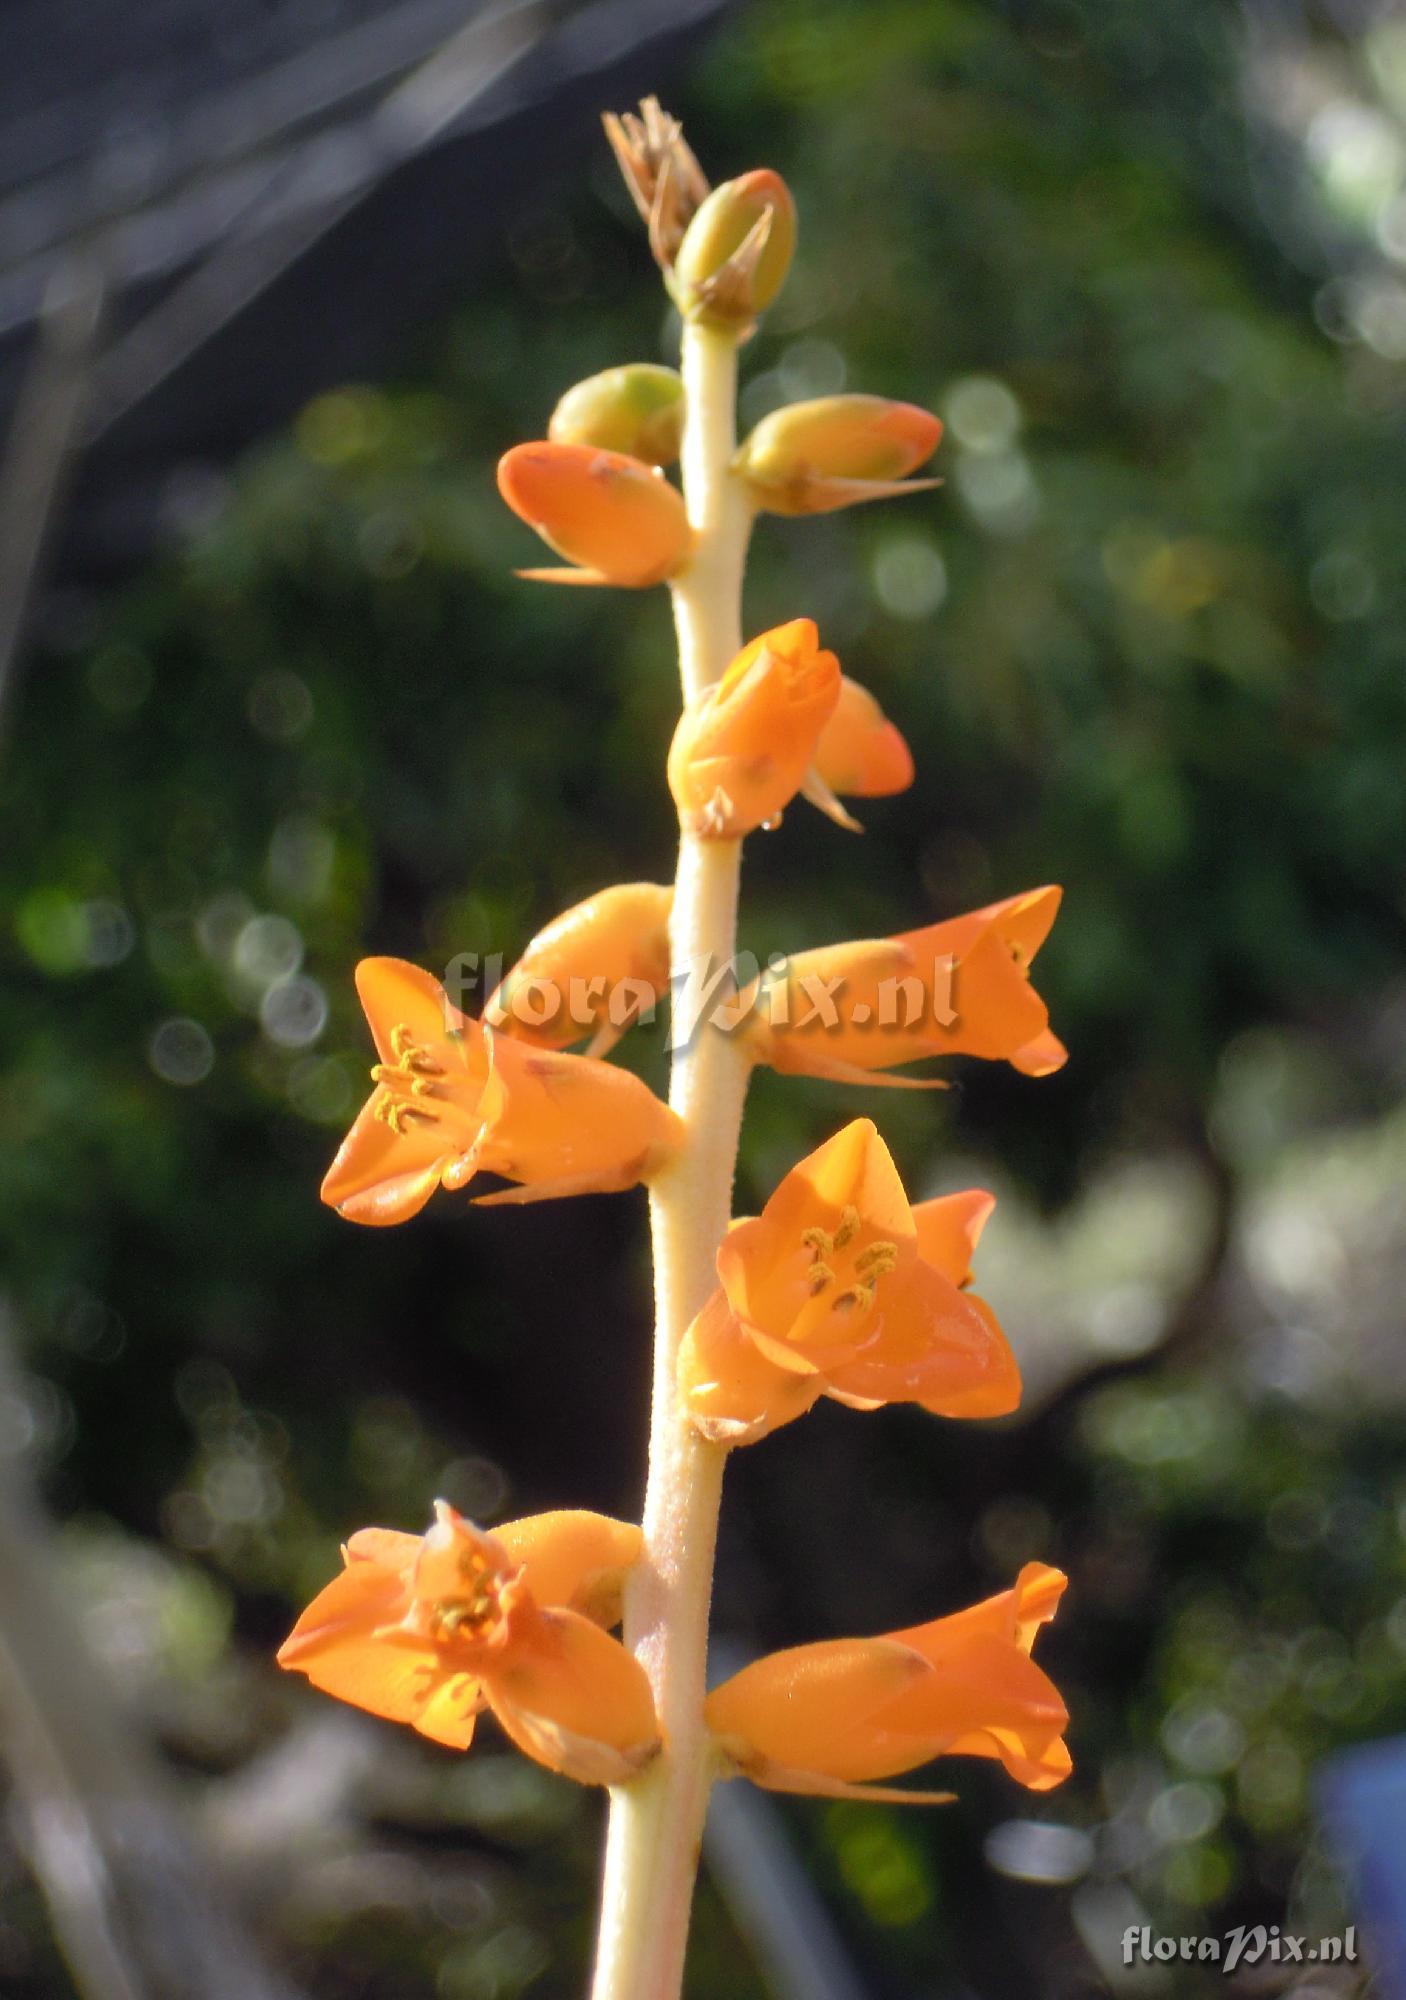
382,1177
949,1228
575,1700
934,1345
342,1644
395,993
988,1699
742,749
1023,921
570,980
730,1390
848,1188
604,511
554,1117
860,753
815,1708
1015,1615
573,1558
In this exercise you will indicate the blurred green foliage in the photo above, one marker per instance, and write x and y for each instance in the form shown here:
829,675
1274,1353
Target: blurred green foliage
1147,641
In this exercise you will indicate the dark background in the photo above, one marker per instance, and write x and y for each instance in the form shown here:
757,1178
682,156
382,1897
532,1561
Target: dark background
281,702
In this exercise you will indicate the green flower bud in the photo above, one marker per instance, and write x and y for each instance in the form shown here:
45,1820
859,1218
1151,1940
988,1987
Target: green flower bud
637,409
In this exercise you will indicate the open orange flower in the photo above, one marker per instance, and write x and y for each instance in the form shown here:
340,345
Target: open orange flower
959,988
590,972
742,749
453,1099
839,1288
432,1629
616,519
860,753
829,1718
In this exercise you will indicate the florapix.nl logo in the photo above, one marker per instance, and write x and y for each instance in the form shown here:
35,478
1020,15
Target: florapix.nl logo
719,993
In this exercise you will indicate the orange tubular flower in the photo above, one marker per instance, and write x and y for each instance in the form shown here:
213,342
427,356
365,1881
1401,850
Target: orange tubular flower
617,520
432,1629
810,458
827,1719
590,972
959,988
453,1099
839,1288
741,752
860,752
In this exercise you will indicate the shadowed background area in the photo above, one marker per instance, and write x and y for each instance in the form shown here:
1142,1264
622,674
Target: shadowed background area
277,287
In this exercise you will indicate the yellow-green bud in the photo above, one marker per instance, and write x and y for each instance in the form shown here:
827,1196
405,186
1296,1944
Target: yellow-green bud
736,251
810,458
637,409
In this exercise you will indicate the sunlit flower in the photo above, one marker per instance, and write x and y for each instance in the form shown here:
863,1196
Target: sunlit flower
453,1099
831,1718
959,988
860,753
614,518
591,971
432,1629
742,749
810,458
839,1288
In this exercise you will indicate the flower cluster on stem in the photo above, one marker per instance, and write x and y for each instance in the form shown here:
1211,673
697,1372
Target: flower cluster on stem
840,1288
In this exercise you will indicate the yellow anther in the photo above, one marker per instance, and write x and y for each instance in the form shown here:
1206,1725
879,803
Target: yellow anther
394,1112
854,1295
878,1259
424,1086
848,1229
820,1276
819,1240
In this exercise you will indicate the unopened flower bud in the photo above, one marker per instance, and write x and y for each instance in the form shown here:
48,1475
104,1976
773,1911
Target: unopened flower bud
637,409
811,458
615,519
734,258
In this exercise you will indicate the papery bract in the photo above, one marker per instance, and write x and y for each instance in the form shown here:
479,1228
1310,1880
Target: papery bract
618,520
453,1099
432,1629
833,1717
961,987
742,750
839,1288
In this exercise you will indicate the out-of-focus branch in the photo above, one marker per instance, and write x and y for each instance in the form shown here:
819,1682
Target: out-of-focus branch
135,1912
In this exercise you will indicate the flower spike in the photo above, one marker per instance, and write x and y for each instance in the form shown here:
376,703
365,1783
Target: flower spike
810,458
432,1629
956,988
839,1288
830,1718
453,1099
616,519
